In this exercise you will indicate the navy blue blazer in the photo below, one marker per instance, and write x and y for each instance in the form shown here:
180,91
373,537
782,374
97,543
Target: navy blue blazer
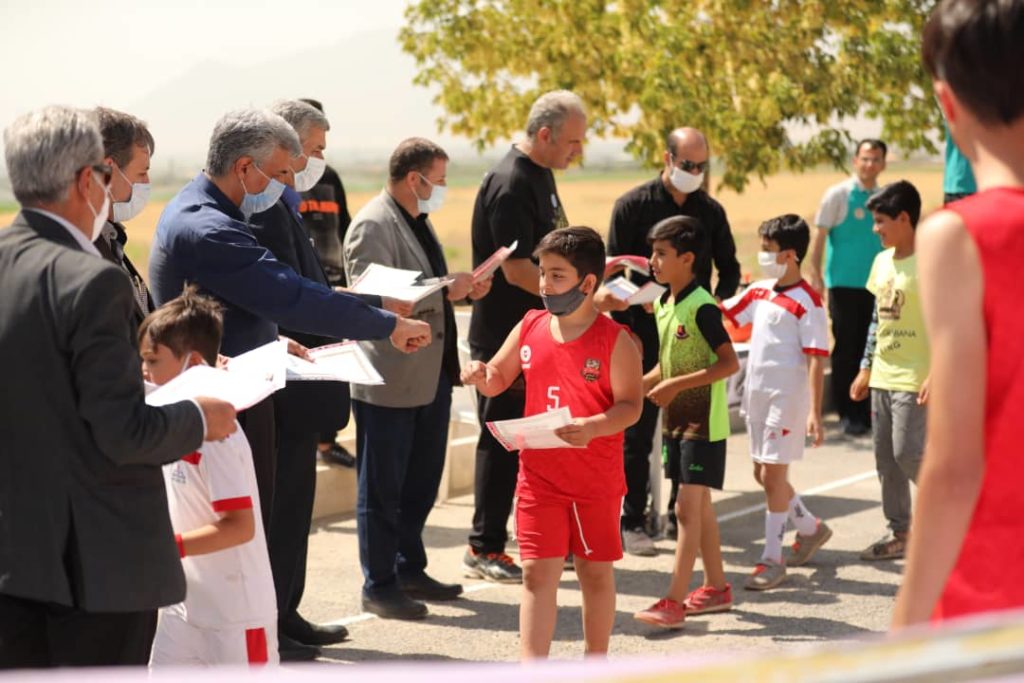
203,238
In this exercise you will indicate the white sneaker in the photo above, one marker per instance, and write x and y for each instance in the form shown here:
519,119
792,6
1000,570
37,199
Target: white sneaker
636,542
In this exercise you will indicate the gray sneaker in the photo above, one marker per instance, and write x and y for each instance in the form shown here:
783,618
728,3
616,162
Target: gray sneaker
766,574
636,542
496,567
805,546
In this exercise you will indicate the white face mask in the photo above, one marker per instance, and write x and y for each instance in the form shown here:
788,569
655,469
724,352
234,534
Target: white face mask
307,178
435,200
770,266
258,203
685,182
99,218
127,210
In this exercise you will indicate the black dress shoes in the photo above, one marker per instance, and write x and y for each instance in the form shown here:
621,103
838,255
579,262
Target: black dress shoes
298,629
393,605
422,587
291,650
338,455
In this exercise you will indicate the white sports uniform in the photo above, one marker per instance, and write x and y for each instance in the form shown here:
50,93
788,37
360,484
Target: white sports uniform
229,615
789,324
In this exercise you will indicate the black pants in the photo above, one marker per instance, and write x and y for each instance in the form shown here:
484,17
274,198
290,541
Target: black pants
258,424
288,537
639,438
851,316
39,634
494,482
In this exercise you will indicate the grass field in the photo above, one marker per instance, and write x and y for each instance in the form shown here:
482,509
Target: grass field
589,202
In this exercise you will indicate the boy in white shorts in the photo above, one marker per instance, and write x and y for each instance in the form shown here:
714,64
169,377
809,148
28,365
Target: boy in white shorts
782,400
229,615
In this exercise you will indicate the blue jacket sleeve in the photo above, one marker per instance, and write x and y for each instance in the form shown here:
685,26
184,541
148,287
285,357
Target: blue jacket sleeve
232,265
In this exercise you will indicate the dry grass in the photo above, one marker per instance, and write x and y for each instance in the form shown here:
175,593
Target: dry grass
589,202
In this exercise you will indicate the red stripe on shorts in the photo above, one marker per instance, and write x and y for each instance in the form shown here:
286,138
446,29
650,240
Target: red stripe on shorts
256,645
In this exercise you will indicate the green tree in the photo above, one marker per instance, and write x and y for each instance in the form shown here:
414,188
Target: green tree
739,70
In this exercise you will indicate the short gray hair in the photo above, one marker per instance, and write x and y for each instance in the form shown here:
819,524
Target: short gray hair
551,110
248,132
44,149
301,116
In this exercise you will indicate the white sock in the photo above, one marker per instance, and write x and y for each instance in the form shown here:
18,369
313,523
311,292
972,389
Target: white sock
805,523
774,530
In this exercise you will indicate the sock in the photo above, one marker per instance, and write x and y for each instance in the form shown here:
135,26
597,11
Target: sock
805,523
774,529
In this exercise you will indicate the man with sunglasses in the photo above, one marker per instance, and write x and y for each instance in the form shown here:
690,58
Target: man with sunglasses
87,553
677,191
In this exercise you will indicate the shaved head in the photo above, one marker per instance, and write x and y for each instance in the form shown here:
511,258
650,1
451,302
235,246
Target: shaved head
687,143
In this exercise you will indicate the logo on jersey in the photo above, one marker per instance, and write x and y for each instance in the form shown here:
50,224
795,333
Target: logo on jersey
178,475
525,354
681,332
591,369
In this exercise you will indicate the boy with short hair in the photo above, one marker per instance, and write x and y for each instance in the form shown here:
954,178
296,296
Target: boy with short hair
782,398
695,358
965,555
895,364
569,499
229,615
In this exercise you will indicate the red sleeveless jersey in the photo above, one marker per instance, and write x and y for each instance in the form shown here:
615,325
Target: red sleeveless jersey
989,572
577,375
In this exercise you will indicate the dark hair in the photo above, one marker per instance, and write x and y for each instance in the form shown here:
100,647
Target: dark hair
579,245
121,134
191,322
413,154
894,198
873,143
684,233
977,47
789,231
313,103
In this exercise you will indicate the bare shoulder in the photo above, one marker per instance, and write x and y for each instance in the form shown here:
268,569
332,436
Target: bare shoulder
942,240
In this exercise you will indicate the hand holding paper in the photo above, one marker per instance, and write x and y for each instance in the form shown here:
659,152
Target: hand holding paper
534,432
624,290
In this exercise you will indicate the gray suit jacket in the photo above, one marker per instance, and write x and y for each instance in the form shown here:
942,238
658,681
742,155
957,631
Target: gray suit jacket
379,234
83,511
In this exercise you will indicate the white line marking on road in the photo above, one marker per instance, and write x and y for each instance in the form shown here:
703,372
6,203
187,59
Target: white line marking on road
484,585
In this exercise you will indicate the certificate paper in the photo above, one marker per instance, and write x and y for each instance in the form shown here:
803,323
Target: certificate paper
344,362
396,283
637,264
240,389
623,289
534,432
487,268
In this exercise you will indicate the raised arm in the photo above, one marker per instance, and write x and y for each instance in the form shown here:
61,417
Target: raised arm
497,374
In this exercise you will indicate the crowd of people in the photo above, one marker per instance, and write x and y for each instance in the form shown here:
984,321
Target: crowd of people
142,535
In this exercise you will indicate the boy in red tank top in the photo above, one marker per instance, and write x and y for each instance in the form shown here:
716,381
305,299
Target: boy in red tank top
569,499
966,554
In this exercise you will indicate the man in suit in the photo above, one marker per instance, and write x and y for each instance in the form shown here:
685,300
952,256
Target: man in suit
204,237
127,148
402,425
87,554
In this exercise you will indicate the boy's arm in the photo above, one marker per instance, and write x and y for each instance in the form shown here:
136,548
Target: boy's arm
709,322
651,379
234,527
497,374
953,465
816,376
859,388
627,391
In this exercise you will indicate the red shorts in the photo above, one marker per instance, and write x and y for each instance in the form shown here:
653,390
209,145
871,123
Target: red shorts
590,530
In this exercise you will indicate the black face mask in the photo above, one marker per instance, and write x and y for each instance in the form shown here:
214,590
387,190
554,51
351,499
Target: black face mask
566,303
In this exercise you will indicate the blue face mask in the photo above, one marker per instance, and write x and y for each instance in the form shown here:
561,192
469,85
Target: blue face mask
258,203
565,303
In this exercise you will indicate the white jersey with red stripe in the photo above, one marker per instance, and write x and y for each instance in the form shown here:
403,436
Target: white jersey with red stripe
789,324
232,587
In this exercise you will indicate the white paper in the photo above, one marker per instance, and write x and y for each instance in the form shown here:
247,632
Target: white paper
534,432
240,389
397,283
268,362
493,262
624,290
345,362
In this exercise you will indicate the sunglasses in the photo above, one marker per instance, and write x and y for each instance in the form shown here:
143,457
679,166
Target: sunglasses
106,172
691,166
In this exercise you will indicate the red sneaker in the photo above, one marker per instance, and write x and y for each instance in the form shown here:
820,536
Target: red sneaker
666,613
707,600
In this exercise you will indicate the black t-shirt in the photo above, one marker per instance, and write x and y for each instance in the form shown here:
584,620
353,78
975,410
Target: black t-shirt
636,212
325,217
517,201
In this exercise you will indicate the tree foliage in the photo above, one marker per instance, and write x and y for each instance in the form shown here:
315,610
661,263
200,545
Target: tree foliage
740,70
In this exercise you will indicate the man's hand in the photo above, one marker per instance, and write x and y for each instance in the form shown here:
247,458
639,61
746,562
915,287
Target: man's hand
606,301
295,348
578,433
410,335
922,396
397,306
460,286
814,429
481,288
663,392
220,418
859,389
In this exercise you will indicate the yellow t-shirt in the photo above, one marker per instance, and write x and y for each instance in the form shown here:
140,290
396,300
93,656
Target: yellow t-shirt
901,353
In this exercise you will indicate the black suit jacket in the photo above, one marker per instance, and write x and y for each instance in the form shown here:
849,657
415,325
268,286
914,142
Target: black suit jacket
112,249
83,511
